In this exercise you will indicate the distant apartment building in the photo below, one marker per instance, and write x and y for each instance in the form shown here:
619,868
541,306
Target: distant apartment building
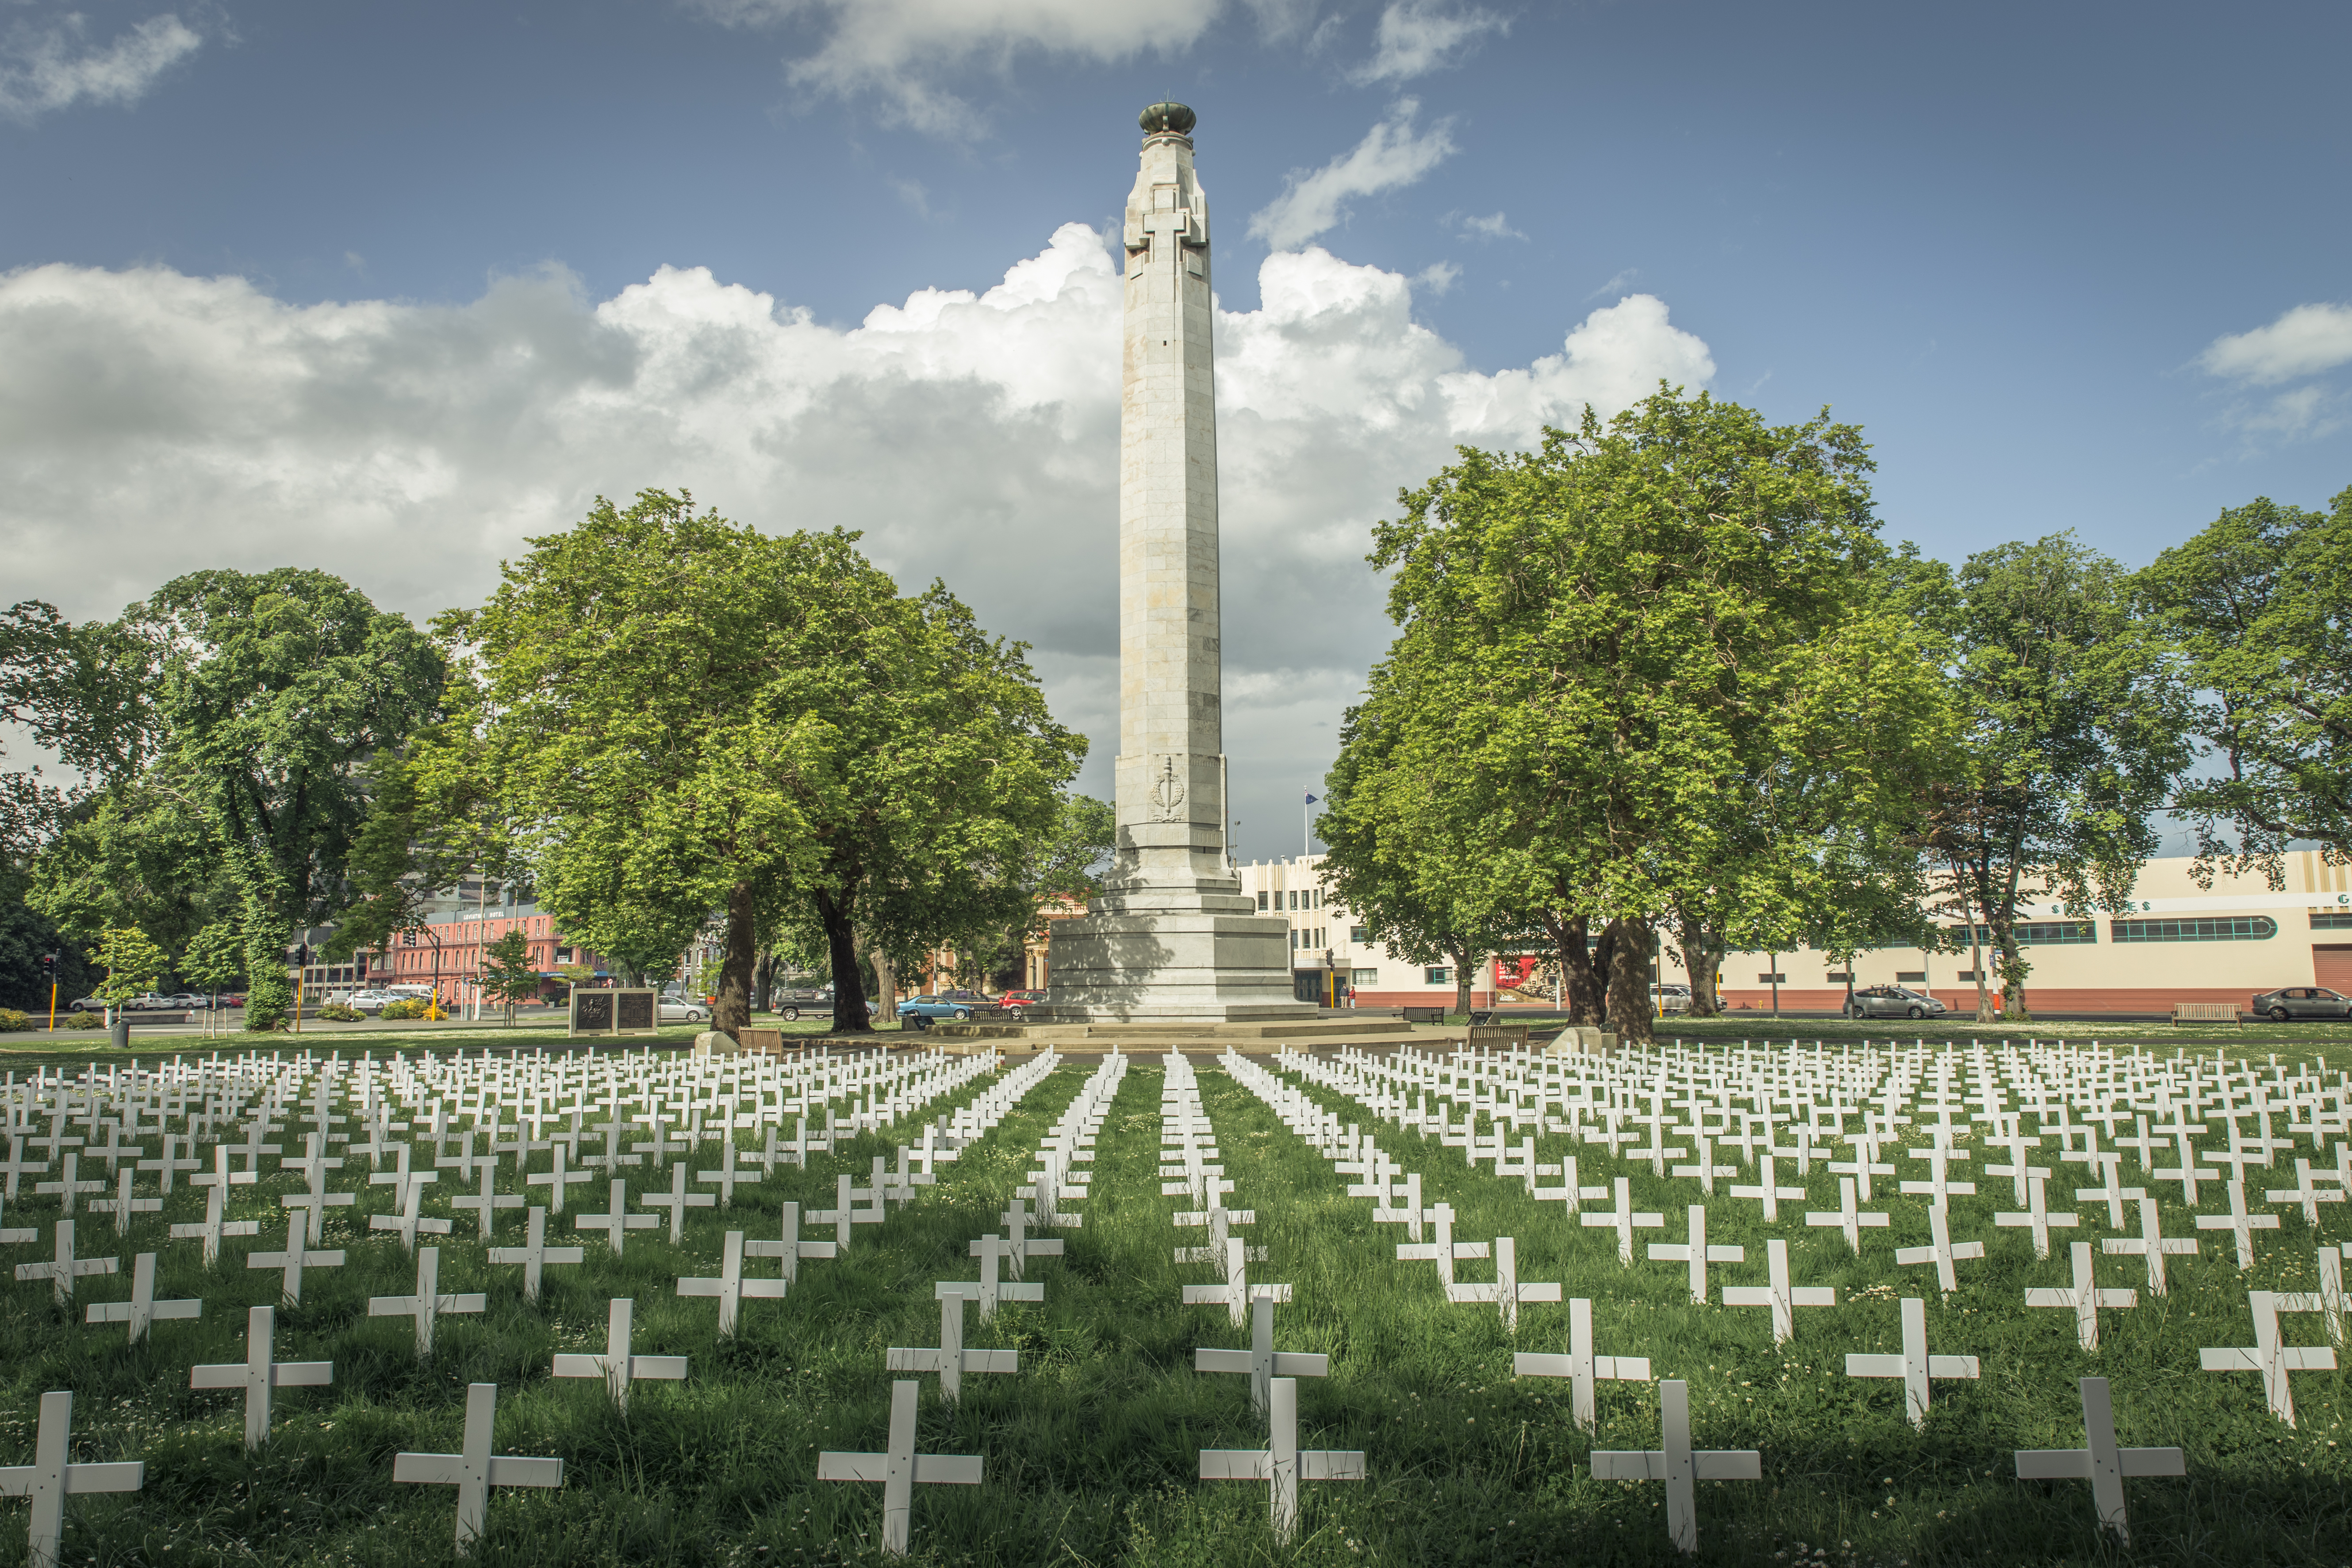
1331,951
446,954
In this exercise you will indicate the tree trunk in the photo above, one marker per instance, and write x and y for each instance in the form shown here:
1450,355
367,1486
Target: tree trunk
1462,968
1604,954
886,985
1583,987
1628,944
731,1013
1702,955
849,1016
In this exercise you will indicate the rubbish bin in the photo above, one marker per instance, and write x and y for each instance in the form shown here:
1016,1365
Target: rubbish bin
119,1032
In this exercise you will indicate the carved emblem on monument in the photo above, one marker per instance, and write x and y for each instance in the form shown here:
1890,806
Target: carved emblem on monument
1168,792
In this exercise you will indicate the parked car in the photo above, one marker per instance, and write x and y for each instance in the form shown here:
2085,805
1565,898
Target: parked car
1894,1002
2302,1001
1672,998
1014,1004
676,1010
87,1004
148,1002
924,1010
187,1001
372,1002
790,1011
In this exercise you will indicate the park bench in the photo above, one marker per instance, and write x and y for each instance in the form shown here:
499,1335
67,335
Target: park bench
2207,1013
1422,1014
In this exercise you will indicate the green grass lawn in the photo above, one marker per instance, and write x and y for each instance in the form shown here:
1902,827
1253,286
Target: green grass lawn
1092,1449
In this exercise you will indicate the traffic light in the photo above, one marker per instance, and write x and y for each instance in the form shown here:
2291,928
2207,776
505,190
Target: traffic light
49,965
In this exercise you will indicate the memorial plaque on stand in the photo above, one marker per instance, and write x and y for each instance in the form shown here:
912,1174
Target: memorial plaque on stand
635,1013
592,1010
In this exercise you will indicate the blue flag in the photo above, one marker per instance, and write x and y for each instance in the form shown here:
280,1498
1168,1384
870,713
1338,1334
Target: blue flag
1310,800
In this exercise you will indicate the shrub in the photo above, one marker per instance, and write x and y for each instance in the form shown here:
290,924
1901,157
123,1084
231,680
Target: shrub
261,1017
84,1020
413,1008
342,1014
11,1021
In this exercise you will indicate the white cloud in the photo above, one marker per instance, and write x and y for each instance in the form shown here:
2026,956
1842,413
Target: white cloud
1393,153
1495,227
1438,276
901,51
152,422
2305,340
1417,36
53,66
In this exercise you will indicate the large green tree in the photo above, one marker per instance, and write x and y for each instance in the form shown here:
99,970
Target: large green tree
1643,667
2071,739
2256,613
684,715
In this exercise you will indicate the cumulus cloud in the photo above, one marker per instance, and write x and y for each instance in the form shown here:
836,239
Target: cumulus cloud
901,51
152,422
1417,36
1495,227
54,64
1393,153
2302,342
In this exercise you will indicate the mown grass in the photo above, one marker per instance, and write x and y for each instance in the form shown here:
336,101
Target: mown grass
1092,1449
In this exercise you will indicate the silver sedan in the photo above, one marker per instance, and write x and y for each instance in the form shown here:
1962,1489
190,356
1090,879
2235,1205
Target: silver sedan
1894,1002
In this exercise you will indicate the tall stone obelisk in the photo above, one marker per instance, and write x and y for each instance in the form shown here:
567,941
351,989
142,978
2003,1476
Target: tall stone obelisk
1172,938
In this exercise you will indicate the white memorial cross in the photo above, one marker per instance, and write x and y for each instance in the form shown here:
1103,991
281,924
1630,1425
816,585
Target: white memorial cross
845,1212
1704,1167
62,1270
2114,1194
1914,1365
1444,1250
411,1218
1941,1250
1508,1292
293,1261
1678,1465
68,1186
17,1235
1768,1192
2008,1134
1939,1185
1281,1462
1262,1363
15,1165
487,1202
2102,1463
1848,1217
2268,1355
1411,1214
121,1205
616,1224
315,1200
214,1226
991,1287
1624,1221
142,1308
1020,1247
901,1469
1781,1297
258,1375
678,1200
1580,1365
1697,1254
1236,1293
2303,1193
475,1470
951,1360
1217,1221
2037,1217
427,1305
534,1254
2188,1173
618,1366
731,1287
2240,1225
789,1247
2084,1297
2151,1244
557,1179
49,1480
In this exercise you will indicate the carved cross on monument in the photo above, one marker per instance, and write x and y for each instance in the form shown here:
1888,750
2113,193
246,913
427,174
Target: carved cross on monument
900,1470
1678,1465
474,1470
258,1375
619,1366
49,1480
2101,1462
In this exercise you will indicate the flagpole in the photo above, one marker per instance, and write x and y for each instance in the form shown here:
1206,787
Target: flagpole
1305,827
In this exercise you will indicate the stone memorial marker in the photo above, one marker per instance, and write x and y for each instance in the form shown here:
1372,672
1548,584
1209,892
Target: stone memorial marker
1624,1221
1779,1296
1941,1250
49,1480
142,1308
951,1360
619,1366
1580,1366
901,1469
991,1288
2151,1244
474,1470
1236,1293
63,1269
534,1254
258,1375
427,1305
1697,1254
2269,1355
1914,1365
293,1261
2101,1463
1262,1363
1281,1462
2084,1297
1678,1465
616,1224
1508,1292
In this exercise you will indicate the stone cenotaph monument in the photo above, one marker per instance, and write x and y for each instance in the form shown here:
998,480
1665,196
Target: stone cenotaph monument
1172,938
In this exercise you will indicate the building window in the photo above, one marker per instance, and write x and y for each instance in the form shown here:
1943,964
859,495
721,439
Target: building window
1439,976
2331,919
1360,933
1261,898
1771,980
1293,898
1966,977
1294,939
2041,933
1911,977
1361,978
1841,979
2219,928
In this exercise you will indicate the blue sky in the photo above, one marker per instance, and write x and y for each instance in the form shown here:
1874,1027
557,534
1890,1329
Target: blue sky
343,285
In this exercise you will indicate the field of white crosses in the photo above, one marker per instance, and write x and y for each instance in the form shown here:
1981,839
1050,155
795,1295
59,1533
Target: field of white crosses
1903,1304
